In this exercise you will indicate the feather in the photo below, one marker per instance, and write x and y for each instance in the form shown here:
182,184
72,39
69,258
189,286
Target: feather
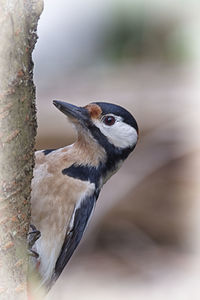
80,219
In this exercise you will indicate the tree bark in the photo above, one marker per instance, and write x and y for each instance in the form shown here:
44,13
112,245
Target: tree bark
18,23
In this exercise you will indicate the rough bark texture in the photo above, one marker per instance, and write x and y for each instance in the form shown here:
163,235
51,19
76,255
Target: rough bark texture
18,22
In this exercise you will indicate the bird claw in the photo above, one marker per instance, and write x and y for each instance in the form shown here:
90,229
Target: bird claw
33,236
33,253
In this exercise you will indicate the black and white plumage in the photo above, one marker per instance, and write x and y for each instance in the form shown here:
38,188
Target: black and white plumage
67,181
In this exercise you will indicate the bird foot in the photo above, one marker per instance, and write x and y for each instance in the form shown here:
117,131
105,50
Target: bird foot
33,236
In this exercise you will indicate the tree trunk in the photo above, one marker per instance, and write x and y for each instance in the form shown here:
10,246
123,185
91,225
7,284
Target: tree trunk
18,23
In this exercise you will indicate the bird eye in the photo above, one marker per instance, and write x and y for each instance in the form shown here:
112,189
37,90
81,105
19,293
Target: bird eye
109,120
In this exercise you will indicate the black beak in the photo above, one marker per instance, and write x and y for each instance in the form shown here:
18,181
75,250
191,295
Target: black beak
80,114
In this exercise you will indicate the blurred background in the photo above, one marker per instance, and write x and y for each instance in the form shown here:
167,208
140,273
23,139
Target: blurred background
143,239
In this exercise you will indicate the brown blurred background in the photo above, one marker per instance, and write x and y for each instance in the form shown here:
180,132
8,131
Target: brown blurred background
144,55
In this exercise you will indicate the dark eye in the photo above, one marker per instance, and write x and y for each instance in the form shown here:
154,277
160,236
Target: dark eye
109,120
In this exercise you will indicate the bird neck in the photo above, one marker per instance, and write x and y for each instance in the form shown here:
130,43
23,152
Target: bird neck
95,160
114,156
87,151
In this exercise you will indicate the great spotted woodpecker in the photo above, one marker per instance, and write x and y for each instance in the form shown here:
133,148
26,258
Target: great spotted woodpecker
67,181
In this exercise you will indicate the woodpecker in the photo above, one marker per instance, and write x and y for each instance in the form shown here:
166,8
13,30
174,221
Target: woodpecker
67,181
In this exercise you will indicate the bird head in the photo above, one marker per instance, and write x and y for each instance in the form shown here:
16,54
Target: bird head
106,122
109,125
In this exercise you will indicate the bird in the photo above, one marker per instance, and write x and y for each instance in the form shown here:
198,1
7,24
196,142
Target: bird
67,181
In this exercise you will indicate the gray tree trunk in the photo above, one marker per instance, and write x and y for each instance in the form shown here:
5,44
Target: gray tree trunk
18,23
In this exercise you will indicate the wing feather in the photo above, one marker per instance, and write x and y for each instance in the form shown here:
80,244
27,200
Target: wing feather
73,237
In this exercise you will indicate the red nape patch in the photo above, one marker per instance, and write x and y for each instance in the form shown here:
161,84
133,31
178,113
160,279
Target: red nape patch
94,111
37,265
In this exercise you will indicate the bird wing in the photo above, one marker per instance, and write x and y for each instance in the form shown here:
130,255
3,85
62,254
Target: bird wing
73,236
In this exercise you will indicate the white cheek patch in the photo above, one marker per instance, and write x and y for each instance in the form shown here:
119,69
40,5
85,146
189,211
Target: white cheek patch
119,134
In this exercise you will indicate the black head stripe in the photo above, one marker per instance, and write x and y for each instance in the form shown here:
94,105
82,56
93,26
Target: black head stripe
114,154
110,149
